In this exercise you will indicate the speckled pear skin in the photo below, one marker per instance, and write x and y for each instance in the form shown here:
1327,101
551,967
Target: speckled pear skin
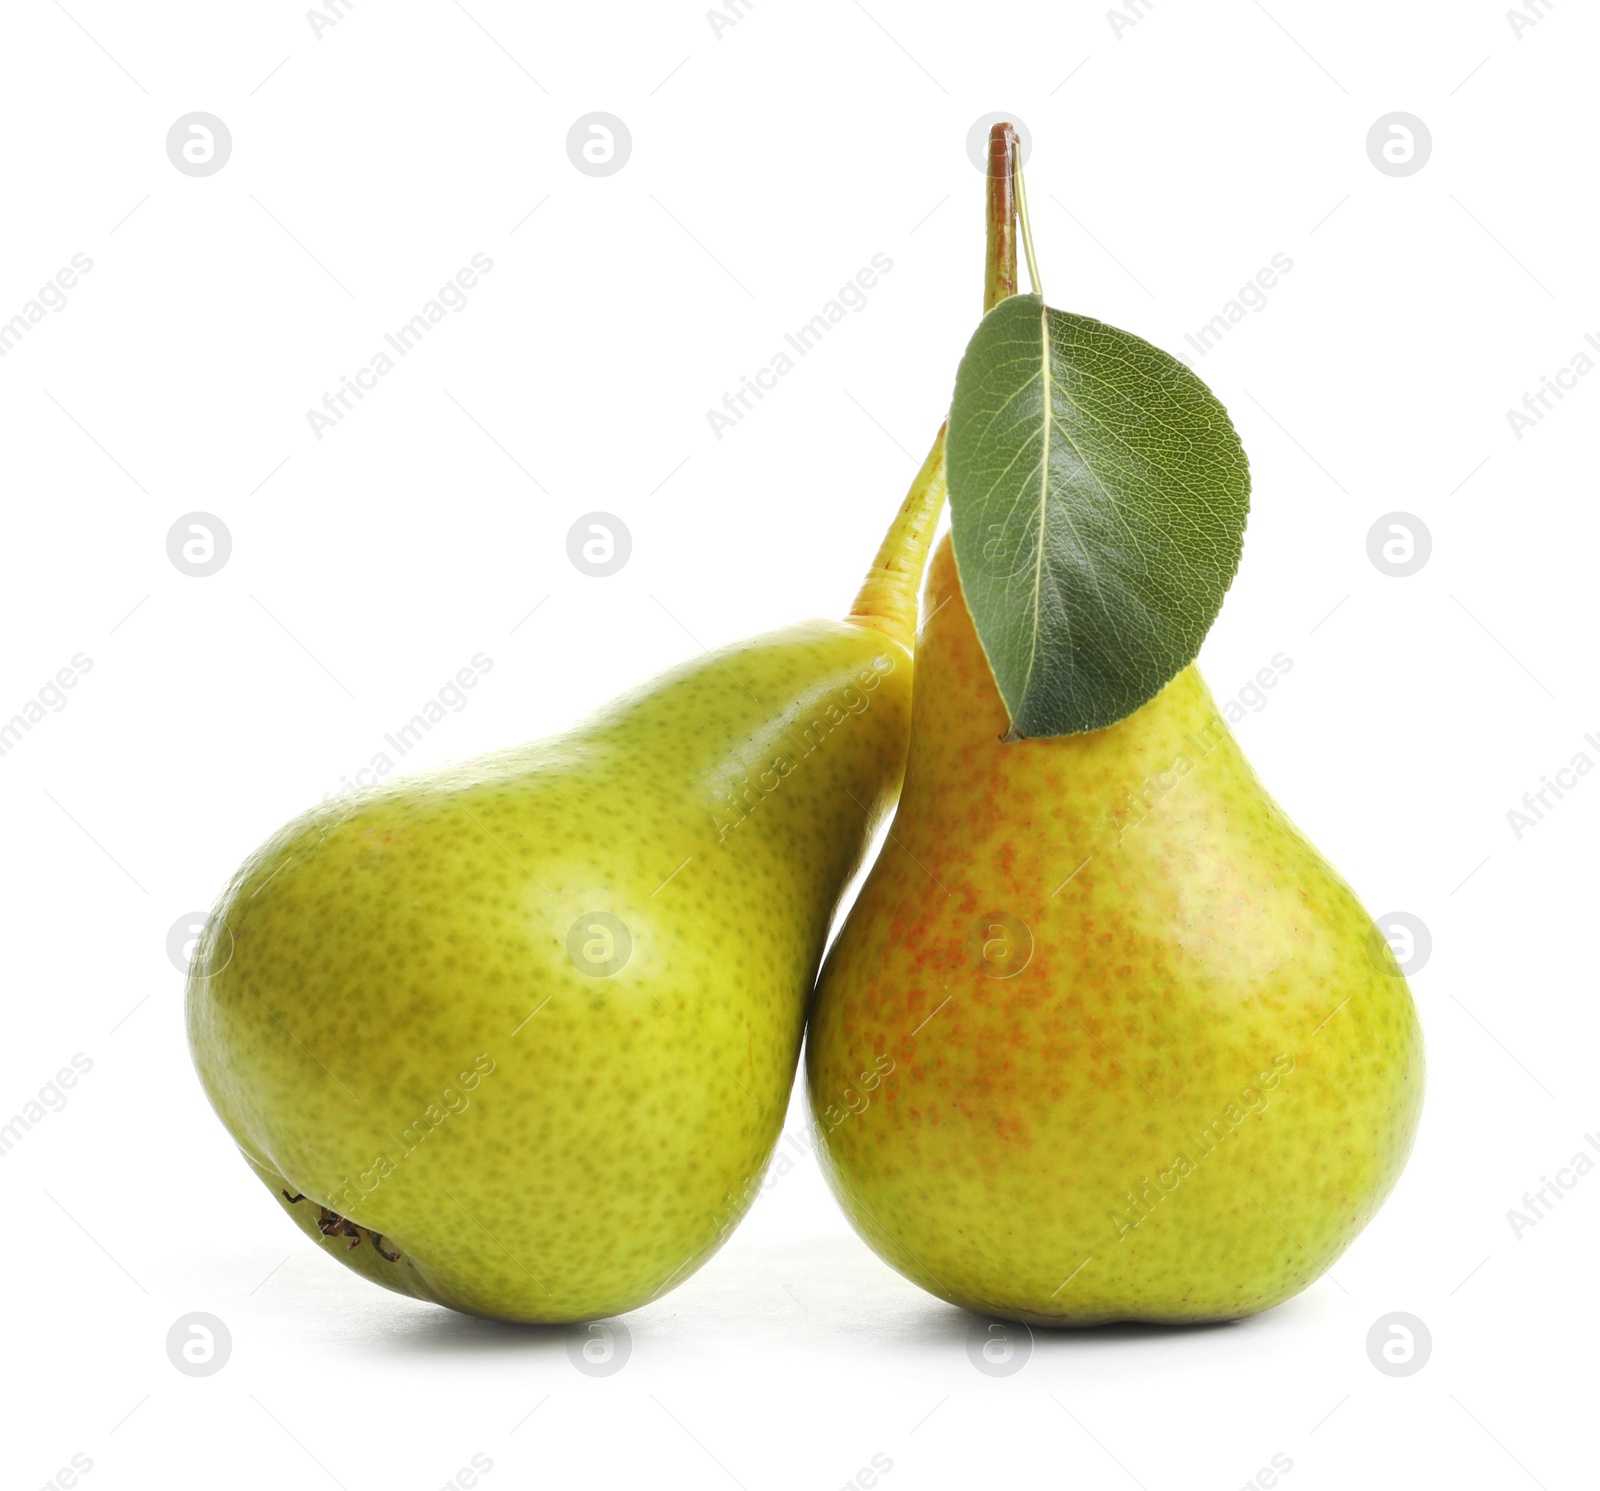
385,1013
1103,1037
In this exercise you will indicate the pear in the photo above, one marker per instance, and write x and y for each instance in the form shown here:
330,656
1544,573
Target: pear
518,1036
1103,1037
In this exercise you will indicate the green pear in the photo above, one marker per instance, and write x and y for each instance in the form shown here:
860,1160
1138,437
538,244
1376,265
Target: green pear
518,1036
1103,1038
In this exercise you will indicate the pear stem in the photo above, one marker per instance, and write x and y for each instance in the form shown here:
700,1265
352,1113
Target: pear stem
1000,247
887,601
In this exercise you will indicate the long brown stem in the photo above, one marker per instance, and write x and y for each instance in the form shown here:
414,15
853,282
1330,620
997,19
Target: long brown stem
887,600
1000,249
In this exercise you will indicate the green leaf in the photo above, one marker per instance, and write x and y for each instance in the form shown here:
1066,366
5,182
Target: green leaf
1098,495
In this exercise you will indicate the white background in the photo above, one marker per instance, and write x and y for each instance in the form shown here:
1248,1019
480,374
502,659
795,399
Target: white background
767,166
